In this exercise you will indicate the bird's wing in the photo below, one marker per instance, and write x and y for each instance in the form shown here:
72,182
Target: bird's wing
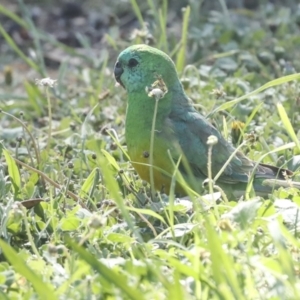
192,130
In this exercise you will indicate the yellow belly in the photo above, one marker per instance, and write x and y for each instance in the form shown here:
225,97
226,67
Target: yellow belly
162,168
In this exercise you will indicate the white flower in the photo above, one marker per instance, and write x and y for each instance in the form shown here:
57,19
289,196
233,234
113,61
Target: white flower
212,140
45,82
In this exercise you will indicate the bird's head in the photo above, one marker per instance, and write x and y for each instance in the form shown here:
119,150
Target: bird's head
139,66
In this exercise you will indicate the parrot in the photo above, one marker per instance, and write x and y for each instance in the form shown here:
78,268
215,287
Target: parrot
177,142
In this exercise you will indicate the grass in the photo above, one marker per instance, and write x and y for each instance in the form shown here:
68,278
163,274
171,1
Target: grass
76,222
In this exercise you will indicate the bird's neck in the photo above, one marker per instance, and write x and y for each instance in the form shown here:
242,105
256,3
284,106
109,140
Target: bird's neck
141,109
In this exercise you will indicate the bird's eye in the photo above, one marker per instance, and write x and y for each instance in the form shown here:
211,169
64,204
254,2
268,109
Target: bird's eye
132,62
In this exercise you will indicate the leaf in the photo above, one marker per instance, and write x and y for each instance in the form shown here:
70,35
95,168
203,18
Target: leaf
115,237
227,64
70,223
290,213
211,197
13,172
89,182
31,202
147,212
29,186
111,159
180,205
244,212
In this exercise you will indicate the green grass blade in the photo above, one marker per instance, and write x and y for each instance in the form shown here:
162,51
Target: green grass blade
14,46
36,40
42,289
114,190
34,97
278,149
163,41
148,212
137,12
3,296
12,16
110,275
269,84
288,126
180,61
223,266
88,183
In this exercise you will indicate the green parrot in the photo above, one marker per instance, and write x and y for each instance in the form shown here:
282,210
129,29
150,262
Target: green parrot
181,132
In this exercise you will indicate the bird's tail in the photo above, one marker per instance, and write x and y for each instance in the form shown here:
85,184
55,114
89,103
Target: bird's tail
277,183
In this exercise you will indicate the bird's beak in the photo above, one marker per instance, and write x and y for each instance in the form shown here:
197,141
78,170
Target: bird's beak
118,71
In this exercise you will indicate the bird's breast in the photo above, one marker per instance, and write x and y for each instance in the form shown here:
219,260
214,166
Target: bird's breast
138,138
161,162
